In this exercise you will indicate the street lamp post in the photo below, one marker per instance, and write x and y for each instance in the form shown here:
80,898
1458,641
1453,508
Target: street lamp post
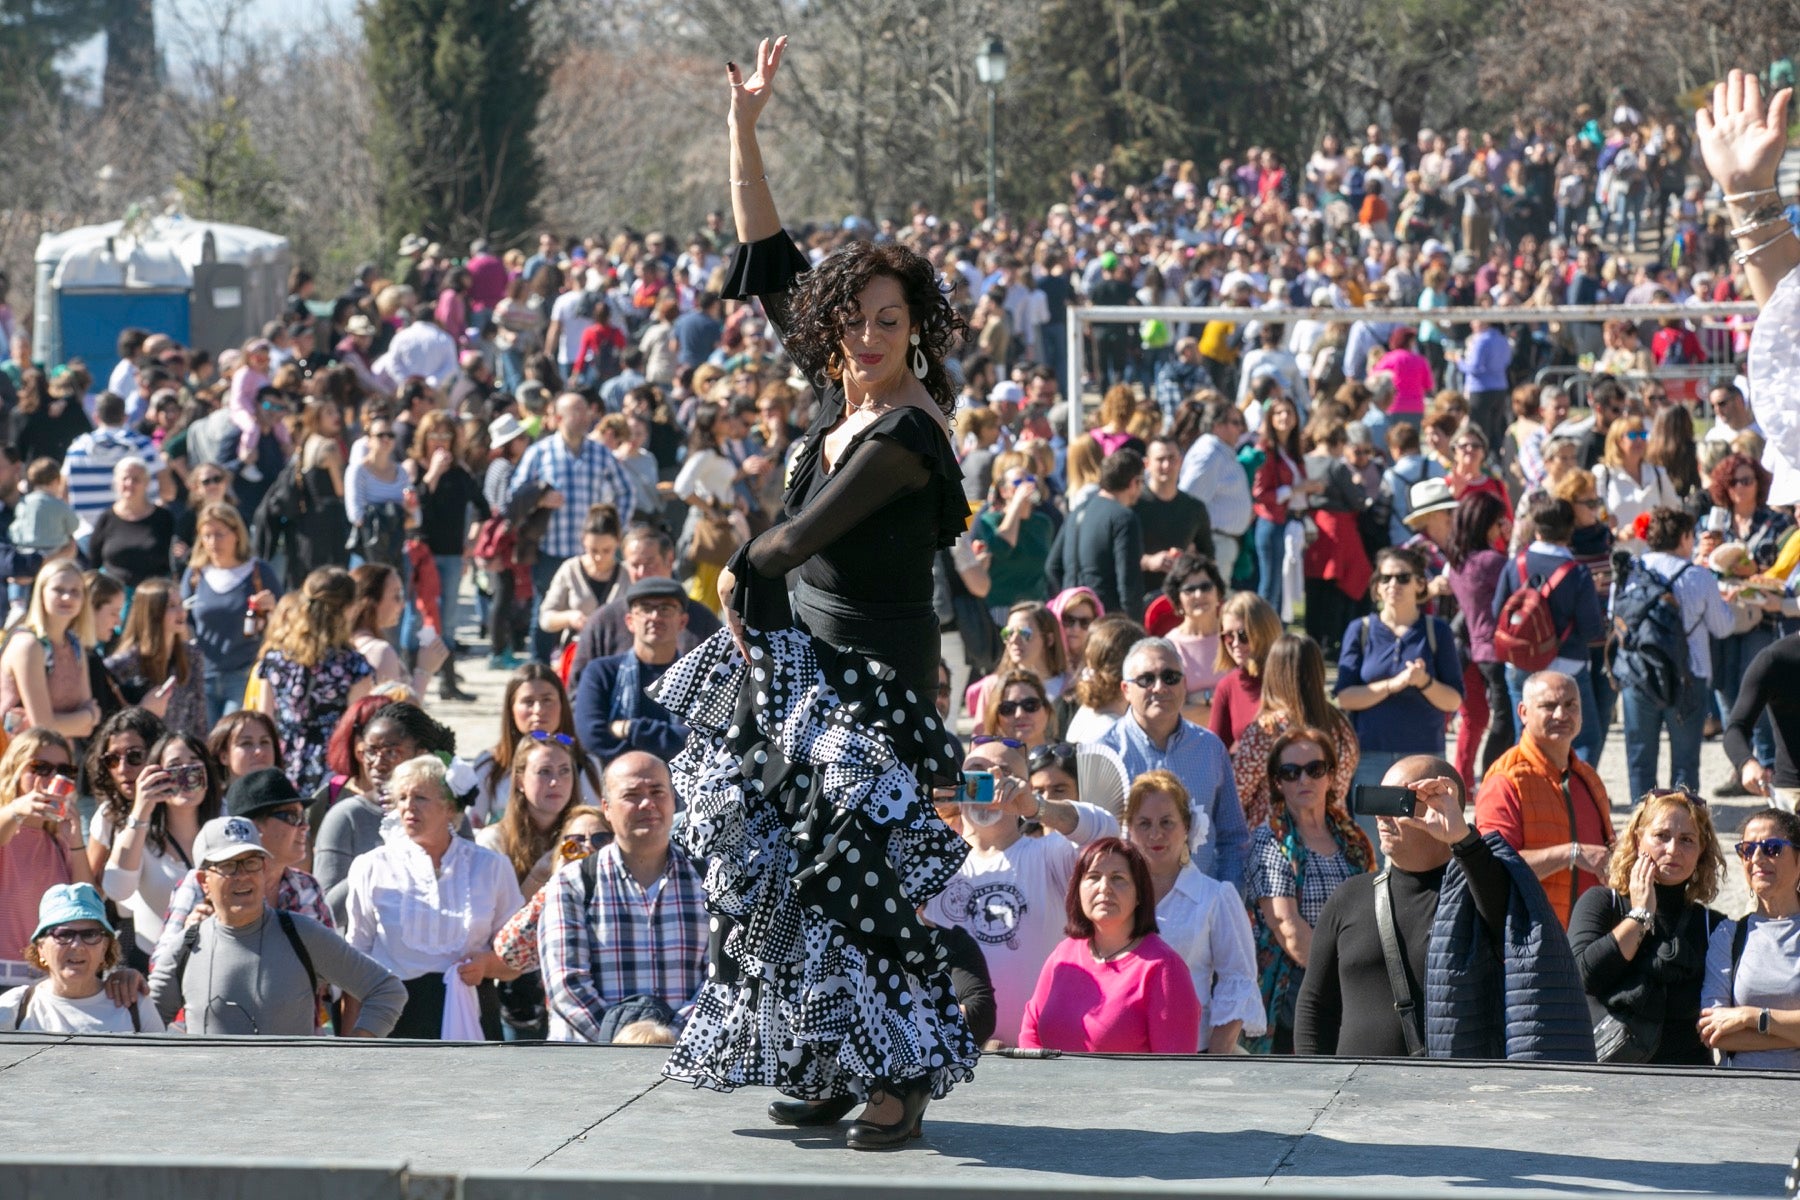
990,68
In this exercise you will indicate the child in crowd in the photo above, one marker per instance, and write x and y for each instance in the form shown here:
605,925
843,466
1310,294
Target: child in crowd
43,527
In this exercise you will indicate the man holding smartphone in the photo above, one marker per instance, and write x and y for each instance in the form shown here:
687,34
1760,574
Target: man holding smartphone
1515,992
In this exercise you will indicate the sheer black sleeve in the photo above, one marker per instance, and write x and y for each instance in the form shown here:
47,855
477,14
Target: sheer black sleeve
879,472
766,270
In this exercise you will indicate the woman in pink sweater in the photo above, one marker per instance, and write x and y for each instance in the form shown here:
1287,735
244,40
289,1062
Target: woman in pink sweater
1113,986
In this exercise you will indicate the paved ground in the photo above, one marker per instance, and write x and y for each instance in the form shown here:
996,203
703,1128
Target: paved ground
477,725
1374,1128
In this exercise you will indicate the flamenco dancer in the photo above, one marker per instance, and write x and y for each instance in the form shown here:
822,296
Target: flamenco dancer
816,741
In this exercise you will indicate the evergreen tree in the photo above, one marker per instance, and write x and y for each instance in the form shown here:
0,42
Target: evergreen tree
33,33
457,84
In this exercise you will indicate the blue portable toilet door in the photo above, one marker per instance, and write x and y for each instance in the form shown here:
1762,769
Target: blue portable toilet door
91,321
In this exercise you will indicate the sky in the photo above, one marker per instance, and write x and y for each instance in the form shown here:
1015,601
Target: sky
262,18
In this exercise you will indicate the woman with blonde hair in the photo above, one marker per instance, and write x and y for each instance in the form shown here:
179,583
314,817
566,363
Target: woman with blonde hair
1640,943
1248,627
546,782
43,669
1202,918
1293,695
311,671
1628,483
1034,642
154,663
1083,469
1017,709
229,595
1099,689
322,530
40,837
1113,433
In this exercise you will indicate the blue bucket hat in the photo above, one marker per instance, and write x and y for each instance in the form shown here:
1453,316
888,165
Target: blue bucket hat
67,902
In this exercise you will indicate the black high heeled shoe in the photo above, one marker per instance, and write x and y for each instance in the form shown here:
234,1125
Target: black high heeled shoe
871,1135
800,1113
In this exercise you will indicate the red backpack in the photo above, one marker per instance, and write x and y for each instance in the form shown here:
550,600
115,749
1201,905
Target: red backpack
1526,636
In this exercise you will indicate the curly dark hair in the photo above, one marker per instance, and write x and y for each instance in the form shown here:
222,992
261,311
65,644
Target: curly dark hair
823,300
1718,484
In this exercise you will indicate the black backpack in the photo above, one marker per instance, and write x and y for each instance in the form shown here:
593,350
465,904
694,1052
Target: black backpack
1652,652
272,527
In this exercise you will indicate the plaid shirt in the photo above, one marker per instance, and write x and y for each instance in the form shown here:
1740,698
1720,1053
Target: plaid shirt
593,477
629,941
297,892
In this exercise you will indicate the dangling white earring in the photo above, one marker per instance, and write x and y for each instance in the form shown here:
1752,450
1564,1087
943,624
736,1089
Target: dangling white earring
920,367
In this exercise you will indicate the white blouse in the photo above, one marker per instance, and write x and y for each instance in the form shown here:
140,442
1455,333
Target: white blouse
143,893
1624,499
415,921
1205,922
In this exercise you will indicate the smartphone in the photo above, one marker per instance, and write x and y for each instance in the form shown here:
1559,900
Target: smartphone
977,788
188,776
164,688
1374,800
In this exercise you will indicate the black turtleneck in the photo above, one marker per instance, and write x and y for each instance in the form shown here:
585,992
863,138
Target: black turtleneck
1346,1006
1662,979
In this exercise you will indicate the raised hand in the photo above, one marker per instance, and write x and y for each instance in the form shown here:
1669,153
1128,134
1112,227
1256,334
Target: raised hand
1742,138
750,96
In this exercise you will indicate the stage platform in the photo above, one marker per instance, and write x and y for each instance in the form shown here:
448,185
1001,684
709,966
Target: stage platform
154,1117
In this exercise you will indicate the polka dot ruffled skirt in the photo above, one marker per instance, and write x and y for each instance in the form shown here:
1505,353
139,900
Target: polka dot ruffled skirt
807,785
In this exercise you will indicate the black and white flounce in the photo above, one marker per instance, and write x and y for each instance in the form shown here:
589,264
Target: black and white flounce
807,783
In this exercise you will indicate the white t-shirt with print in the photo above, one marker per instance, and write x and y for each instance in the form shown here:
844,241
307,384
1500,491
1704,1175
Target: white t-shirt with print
1011,901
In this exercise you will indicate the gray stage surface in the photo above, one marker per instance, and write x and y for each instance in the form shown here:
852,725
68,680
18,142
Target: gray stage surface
435,1117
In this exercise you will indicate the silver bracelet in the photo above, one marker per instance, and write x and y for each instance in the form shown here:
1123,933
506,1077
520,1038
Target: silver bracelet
1735,197
1744,256
135,823
748,182
1755,225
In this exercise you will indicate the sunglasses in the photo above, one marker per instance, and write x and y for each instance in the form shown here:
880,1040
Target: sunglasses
1199,587
561,739
68,937
209,480
1049,756
40,769
1070,622
1168,677
1744,481
1402,578
1291,772
382,437
1017,633
130,758
1235,635
1637,435
1772,847
1589,502
288,816
1468,447
983,739
580,845
1012,708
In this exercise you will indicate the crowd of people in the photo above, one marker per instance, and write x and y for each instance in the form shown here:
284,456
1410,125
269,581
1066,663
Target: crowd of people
1285,562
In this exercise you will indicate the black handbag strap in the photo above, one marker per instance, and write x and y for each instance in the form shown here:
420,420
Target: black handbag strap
1405,1006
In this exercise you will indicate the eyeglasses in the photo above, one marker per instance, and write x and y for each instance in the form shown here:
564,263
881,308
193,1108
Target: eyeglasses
983,739
1743,481
1589,502
1291,772
1199,587
1771,847
561,739
1403,578
1011,708
68,937
382,437
1468,447
1074,622
1017,633
1168,677
40,769
580,845
113,760
248,864
288,816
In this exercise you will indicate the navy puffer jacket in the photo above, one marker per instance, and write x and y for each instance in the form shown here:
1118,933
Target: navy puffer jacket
1522,999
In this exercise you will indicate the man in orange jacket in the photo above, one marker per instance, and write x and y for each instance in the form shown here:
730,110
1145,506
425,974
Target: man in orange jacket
1549,805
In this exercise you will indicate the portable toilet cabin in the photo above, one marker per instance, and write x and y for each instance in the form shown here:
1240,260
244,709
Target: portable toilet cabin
205,284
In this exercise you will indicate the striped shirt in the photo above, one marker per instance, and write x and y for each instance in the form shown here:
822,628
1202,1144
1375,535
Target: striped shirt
593,477
88,468
628,941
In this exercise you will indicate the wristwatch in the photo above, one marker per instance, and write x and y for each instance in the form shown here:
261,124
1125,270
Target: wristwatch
1762,1021
136,823
1642,916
